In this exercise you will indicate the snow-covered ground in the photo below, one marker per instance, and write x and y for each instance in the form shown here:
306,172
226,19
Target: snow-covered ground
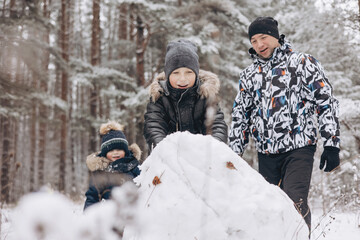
191,187
335,226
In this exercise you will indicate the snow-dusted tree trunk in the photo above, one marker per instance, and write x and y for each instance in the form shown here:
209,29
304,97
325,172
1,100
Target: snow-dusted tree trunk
111,31
95,61
141,45
3,8
359,11
95,35
12,9
123,27
123,22
7,136
64,43
132,21
80,45
140,51
5,159
33,140
43,109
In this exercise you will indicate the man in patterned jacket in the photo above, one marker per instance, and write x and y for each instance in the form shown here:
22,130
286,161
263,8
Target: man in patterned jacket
283,97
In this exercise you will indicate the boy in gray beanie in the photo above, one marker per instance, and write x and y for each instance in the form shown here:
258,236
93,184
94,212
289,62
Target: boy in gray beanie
181,53
181,96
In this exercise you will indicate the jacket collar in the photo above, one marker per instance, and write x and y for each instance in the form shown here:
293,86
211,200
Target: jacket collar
208,86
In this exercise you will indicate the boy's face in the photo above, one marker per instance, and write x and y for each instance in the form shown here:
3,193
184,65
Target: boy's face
115,154
182,78
264,44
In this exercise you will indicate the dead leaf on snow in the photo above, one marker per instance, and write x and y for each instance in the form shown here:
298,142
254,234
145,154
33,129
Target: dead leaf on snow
230,165
156,180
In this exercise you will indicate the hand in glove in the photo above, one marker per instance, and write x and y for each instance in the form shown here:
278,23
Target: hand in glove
331,157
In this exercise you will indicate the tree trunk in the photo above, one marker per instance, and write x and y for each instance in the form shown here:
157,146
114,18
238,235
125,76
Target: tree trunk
5,163
123,23
64,42
33,139
140,74
180,3
43,109
110,38
141,44
80,45
1,137
70,25
359,10
95,60
122,33
3,13
132,20
74,148
13,12
95,35
140,140
5,159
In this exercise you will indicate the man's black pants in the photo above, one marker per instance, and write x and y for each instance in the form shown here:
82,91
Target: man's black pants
292,172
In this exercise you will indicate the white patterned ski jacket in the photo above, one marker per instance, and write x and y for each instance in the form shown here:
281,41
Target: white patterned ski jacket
279,101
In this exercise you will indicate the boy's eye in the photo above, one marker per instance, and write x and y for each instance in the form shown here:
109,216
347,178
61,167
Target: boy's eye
175,72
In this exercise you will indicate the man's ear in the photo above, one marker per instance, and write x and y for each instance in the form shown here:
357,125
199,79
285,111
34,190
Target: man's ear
252,51
282,39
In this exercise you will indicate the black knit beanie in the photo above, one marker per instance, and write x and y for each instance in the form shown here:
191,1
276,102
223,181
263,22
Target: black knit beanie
181,53
264,25
112,138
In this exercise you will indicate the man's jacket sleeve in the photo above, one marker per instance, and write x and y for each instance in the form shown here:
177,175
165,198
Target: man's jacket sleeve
327,107
239,130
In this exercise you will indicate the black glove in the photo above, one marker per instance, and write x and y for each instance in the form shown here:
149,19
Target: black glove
331,157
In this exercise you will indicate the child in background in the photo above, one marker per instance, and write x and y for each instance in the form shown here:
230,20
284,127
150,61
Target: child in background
114,165
183,98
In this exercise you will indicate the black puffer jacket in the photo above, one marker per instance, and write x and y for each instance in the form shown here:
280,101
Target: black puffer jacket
168,113
105,175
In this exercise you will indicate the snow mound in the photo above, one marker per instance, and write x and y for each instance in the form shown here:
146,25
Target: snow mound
106,220
43,215
50,216
195,187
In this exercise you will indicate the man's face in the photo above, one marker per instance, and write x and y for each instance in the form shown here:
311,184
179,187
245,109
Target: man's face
264,44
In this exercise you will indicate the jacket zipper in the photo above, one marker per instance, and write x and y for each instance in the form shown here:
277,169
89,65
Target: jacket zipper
178,125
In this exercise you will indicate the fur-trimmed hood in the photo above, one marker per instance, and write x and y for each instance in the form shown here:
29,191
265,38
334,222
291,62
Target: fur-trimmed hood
209,86
94,162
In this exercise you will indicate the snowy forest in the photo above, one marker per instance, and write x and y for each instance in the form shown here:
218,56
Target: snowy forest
68,66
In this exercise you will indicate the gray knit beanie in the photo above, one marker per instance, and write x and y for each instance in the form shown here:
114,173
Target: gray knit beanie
181,53
264,25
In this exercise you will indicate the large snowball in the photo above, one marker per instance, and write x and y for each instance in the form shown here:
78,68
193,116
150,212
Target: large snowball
195,187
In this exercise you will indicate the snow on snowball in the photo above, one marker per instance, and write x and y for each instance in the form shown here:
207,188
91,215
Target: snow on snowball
195,187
